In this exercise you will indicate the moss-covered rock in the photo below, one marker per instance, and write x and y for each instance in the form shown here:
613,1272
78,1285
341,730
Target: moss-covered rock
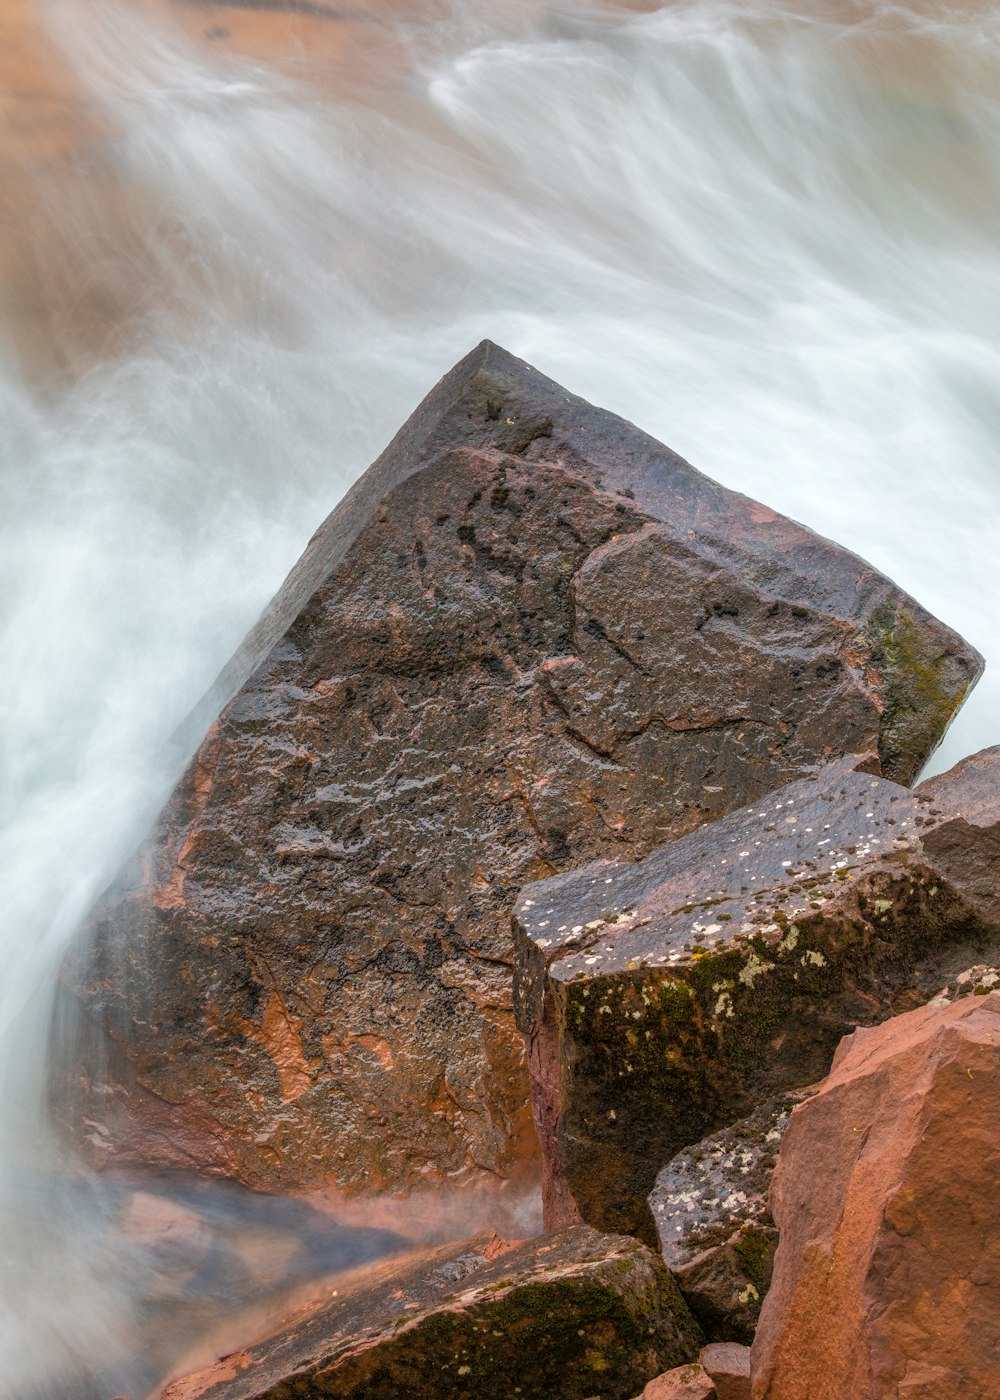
574,1315
666,998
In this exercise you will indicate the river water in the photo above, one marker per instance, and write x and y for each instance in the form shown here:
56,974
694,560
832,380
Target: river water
248,242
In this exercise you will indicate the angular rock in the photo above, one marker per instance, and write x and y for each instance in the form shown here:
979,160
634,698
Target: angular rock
682,1383
527,636
976,981
887,1196
565,1315
666,998
728,1364
713,1223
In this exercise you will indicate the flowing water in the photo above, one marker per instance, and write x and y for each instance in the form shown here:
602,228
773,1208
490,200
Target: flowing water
248,242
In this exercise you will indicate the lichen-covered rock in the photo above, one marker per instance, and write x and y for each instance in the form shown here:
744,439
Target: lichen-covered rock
887,1196
712,1220
666,998
528,636
976,981
571,1315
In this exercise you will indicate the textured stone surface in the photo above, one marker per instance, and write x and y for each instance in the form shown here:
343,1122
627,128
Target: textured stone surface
887,1196
682,1383
713,1224
666,998
528,635
569,1315
728,1364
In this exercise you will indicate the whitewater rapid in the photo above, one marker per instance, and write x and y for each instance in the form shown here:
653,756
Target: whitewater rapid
766,233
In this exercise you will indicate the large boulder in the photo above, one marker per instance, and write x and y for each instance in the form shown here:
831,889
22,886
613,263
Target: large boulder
570,1315
887,1197
529,635
668,997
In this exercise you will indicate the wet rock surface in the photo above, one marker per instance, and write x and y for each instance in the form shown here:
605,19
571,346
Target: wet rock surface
665,998
728,1364
573,1315
887,1196
528,636
713,1222
682,1383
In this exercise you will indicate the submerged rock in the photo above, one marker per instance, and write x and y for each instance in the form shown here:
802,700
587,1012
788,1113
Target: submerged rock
713,1223
567,1315
887,1196
528,636
666,998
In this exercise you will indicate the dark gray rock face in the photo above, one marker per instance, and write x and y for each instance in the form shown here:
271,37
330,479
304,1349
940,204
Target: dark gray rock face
666,998
713,1224
527,637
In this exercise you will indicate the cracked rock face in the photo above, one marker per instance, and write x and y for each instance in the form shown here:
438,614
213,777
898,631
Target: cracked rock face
666,998
713,1224
567,1315
528,636
887,1196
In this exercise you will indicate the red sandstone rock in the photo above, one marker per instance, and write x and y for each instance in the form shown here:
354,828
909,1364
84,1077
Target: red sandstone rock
566,1315
887,1198
528,636
728,1364
683,1383
666,998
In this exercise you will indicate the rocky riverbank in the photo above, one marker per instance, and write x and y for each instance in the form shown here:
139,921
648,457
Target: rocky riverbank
557,825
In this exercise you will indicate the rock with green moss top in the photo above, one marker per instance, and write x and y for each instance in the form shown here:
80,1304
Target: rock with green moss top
712,1220
573,1315
666,998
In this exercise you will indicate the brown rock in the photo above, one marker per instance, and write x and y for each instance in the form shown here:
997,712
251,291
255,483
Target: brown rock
529,635
887,1196
728,1364
682,1383
665,998
565,1315
713,1224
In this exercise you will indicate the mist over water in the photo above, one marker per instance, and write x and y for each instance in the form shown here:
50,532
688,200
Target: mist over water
766,233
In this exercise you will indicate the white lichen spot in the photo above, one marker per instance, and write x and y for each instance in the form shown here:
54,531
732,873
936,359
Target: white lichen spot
813,958
754,967
724,1006
790,939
